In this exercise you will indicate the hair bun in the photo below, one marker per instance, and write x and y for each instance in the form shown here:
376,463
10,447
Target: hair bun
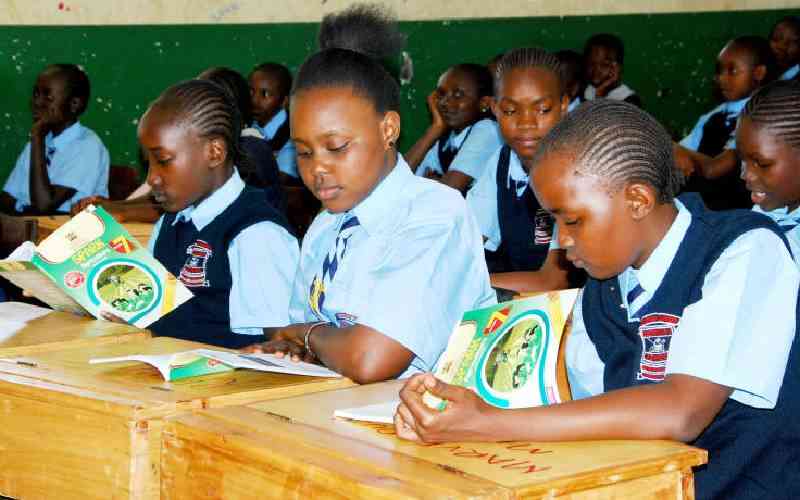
370,29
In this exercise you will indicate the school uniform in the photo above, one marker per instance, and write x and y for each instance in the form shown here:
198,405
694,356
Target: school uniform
466,151
277,133
264,170
574,103
620,93
237,255
790,73
717,300
76,158
508,214
789,222
407,262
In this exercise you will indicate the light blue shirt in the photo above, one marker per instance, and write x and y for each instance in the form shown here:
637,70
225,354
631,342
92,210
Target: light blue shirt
78,160
789,222
286,157
791,72
737,335
411,269
475,145
732,108
482,198
263,260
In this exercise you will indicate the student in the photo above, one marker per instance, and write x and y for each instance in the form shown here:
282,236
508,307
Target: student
743,65
572,67
784,40
769,146
604,56
213,222
529,100
393,261
64,161
720,287
269,89
456,145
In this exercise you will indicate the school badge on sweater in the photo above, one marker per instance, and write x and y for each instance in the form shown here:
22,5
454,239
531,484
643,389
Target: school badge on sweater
193,272
655,330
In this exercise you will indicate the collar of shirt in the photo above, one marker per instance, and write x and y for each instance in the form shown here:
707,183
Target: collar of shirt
373,210
252,132
456,140
734,107
271,128
791,72
66,136
653,270
622,92
516,173
208,209
781,215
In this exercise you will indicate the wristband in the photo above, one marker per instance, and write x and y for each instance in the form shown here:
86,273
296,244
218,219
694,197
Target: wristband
307,336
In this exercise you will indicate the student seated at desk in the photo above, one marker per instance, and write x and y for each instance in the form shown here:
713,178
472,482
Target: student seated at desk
64,161
685,329
394,260
218,236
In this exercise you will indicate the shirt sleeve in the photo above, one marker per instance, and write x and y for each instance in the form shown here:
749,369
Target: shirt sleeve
554,239
83,166
430,162
263,260
151,243
473,156
739,334
482,202
692,141
287,159
17,183
584,366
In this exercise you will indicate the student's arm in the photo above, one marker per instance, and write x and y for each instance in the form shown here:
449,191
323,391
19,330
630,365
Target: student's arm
553,275
473,155
436,129
7,203
45,196
142,209
456,180
717,166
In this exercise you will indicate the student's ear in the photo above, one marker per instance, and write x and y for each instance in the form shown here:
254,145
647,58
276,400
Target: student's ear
640,198
564,103
760,73
285,103
390,129
494,106
216,152
76,105
485,103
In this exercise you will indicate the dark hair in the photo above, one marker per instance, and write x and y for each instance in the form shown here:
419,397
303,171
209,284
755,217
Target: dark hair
617,142
281,74
571,65
350,42
777,107
207,108
235,84
759,51
793,21
607,41
479,75
77,83
528,57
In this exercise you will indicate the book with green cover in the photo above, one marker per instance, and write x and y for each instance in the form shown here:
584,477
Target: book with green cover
91,264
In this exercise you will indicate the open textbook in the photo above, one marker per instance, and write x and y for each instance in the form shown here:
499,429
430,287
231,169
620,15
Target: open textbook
508,354
205,361
92,264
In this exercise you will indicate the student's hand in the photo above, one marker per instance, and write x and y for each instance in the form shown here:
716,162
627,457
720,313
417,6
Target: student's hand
465,418
432,174
437,122
112,318
611,81
286,341
79,205
684,160
46,121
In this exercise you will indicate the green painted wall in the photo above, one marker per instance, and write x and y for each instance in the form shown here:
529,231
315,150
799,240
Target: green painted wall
669,61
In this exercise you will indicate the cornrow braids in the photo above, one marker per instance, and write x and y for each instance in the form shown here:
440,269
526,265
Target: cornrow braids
617,142
528,57
777,107
233,82
207,108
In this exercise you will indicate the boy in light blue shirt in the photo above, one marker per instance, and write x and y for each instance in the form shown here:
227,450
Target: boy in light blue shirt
64,161
269,89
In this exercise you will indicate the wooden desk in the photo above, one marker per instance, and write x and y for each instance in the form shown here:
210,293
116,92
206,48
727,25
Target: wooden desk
48,223
74,430
60,330
295,448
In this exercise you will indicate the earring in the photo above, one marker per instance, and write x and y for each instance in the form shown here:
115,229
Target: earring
484,110
391,144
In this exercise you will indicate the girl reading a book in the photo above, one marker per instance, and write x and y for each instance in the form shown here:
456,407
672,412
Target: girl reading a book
685,329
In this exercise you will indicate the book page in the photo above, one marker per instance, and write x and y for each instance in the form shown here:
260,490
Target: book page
22,312
268,363
382,413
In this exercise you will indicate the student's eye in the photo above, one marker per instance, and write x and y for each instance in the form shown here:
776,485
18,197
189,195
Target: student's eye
264,94
508,111
303,154
571,221
458,94
163,161
339,148
545,109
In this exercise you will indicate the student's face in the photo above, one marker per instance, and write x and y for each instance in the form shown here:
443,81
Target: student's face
50,100
735,74
180,162
595,225
770,167
601,65
265,96
529,103
344,146
458,100
785,44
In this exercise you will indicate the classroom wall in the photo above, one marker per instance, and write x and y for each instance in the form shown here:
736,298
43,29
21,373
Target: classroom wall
669,59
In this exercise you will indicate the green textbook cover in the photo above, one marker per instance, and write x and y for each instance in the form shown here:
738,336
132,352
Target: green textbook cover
509,353
91,264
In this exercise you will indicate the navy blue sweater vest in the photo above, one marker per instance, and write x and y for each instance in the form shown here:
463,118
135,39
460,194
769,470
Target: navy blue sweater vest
446,155
753,453
525,228
200,260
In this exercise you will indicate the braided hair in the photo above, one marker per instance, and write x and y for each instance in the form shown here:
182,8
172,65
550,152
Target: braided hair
351,42
232,81
77,83
617,142
207,108
528,57
777,107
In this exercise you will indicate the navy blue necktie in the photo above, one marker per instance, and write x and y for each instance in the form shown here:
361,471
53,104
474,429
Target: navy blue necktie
331,263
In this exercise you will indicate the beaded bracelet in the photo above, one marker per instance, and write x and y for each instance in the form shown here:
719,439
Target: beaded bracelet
307,336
